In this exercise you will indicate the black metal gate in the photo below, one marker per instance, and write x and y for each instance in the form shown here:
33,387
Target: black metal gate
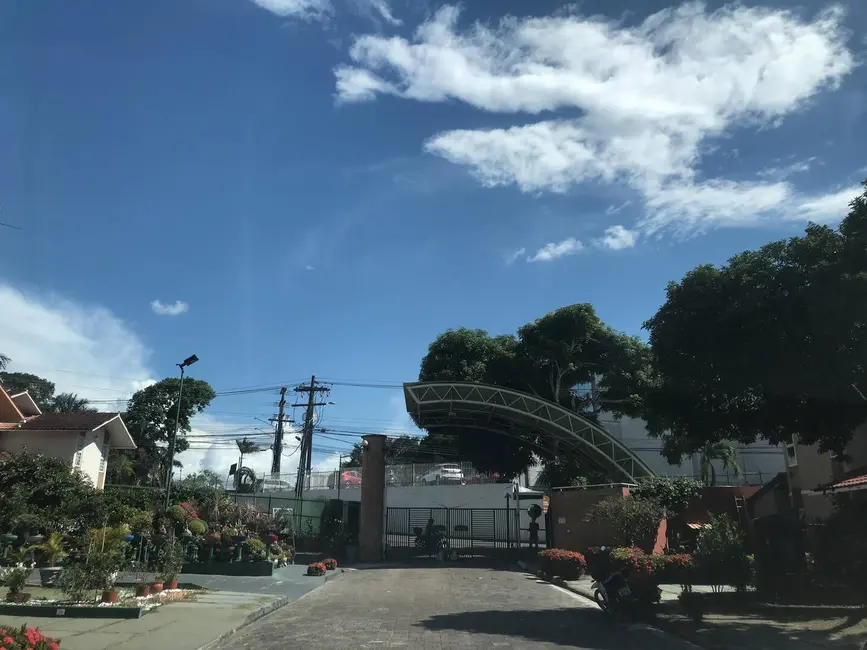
470,532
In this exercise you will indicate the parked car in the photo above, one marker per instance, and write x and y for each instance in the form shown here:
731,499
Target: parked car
444,474
349,478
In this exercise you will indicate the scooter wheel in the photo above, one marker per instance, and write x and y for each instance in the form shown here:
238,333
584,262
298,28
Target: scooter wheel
601,600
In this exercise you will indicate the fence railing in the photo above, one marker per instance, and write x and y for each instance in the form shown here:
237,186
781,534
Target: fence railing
405,475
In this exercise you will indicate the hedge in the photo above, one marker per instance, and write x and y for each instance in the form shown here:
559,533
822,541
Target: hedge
569,565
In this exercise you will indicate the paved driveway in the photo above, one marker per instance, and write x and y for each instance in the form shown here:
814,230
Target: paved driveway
444,609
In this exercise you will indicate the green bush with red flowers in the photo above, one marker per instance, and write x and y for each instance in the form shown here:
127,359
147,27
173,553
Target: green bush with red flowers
568,565
316,569
330,564
25,638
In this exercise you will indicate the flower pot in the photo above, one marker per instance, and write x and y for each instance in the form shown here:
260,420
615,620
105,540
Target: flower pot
156,587
269,539
9,538
109,596
142,591
171,584
19,598
49,575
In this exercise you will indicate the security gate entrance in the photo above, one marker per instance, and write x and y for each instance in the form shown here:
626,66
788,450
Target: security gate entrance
468,532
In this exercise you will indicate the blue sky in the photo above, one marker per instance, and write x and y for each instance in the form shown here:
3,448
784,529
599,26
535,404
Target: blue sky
323,187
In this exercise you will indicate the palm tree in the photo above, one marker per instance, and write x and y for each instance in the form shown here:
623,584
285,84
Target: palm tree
246,446
71,403
4,361
722,451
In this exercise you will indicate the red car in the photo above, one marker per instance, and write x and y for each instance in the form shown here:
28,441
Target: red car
349,478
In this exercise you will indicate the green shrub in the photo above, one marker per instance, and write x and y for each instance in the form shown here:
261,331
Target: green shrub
177,514
197,527
257,549
721,554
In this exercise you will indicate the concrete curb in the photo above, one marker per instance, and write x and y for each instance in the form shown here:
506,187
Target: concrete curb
588,594
263,611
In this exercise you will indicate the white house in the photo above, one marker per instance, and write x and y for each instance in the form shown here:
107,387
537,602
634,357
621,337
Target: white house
84,439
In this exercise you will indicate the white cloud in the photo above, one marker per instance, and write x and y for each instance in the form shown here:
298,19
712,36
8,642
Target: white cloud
170,309
825,208
308,268
384,10
310,10
651,98
614,209
617,238
514,256
83,349
555,250
781,172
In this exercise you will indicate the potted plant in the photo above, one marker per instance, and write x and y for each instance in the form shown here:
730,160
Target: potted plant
53,551
171,561
14,579
316,569
330,563
102,570
140,571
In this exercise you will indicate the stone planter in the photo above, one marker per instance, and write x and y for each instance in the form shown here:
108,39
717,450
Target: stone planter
48,575
171,584
156,587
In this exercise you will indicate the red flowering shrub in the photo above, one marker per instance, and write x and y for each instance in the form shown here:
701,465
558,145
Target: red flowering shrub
330,563
677,569
643,571
26,638
190,509
316,569
569,565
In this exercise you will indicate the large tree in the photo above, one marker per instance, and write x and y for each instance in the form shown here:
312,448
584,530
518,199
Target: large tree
71,403
4,361
40,389
772,344
550,358
150,418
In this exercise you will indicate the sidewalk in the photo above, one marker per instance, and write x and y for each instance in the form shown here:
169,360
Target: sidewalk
187,625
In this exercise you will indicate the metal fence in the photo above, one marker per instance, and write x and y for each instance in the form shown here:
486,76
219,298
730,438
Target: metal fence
306,513
469,531
407,475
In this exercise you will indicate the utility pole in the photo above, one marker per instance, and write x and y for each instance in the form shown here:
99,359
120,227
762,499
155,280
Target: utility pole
306,459
278,435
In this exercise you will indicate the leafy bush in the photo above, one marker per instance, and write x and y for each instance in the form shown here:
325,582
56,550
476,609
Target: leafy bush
14,578
98,571
140,522
316,569
26,638
170,560
257,549
673,494
53,549
330,563
569,565
633,520
197,527
643,571
177,514
721,554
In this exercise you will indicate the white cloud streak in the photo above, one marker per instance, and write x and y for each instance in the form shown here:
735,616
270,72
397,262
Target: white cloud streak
513,257
169,309
617,238
651,98
308,10
556,250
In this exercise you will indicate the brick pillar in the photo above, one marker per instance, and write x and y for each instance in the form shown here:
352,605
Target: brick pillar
372,516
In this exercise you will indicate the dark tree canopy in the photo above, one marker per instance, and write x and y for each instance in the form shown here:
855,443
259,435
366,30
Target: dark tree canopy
772,344
406,450
550,358
150,418
41,390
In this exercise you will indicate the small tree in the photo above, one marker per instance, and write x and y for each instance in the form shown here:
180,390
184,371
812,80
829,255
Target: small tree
721,553
673,494
633,520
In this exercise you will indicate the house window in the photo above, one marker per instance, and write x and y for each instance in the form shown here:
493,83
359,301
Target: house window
792,451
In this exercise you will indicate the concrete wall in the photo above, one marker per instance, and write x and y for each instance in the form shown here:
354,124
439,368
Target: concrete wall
759,462
569,510
59,444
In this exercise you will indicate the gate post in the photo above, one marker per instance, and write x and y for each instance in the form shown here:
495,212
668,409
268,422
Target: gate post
372,516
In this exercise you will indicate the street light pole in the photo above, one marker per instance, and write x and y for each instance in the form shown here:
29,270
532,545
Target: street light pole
174,437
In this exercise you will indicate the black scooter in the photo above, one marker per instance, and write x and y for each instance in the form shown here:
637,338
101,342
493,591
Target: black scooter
613,593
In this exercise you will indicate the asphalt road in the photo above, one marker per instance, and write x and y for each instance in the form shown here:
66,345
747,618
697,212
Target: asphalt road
443,608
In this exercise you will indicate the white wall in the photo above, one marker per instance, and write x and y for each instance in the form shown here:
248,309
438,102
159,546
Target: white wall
59,444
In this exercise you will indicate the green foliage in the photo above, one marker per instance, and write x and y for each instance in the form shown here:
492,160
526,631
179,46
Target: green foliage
549,358
53,549
71,403
720,451
97,570
673,494
170,560
769,345
4,361
721,553
140,522
257,549
633,521
568,565
15,578
41,390
197,527
246,446
177,514
45,493
150,418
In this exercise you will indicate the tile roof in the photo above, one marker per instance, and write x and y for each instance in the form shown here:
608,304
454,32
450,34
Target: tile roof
67,421
855,480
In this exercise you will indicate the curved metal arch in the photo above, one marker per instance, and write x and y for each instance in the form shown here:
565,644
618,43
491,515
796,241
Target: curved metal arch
481,406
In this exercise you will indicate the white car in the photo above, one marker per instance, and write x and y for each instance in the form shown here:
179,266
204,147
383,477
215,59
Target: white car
443,474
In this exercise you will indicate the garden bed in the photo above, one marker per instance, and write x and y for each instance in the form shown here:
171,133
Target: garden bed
237,569
51,603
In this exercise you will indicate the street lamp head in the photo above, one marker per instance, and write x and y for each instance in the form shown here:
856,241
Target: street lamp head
189,361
